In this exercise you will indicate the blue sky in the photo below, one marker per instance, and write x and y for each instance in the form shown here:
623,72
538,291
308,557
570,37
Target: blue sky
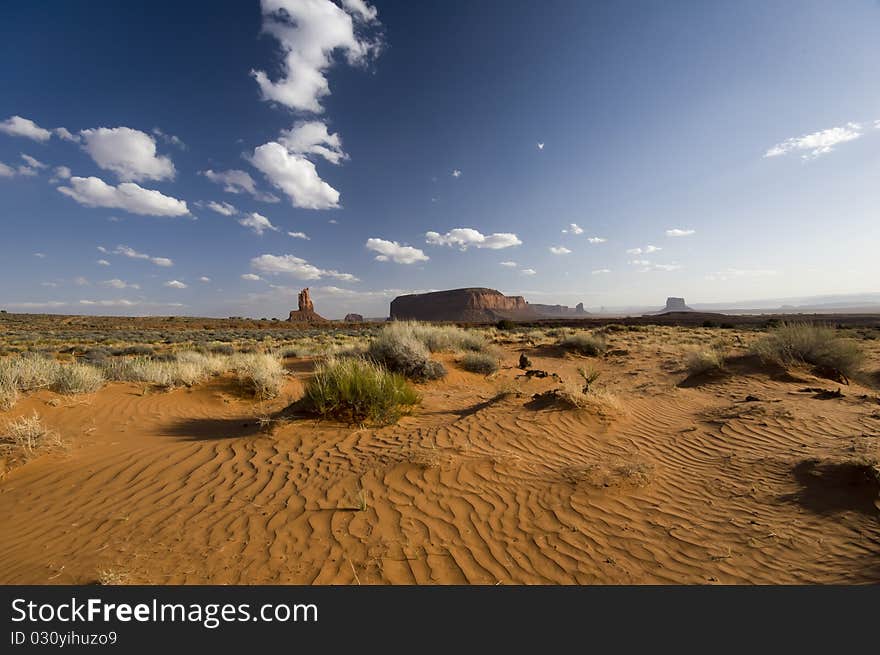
605,153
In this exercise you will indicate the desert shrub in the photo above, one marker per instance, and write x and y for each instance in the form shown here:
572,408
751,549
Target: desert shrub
600,401
613,327
358,389
31,371
399,349
95,355
221,349
8,389
182,369
704,360
78,378
584,343
505,324
136,349
26,436
485,362
259,373
794,343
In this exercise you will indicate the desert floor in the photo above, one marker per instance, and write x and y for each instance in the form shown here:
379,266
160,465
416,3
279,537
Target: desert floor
481,484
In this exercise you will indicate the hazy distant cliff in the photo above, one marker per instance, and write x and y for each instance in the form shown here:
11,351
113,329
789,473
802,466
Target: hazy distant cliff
465,305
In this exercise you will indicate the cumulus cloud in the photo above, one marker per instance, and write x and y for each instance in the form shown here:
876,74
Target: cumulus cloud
597,239
102,262
295,175
18,126
6,170
647,250
205,279
169,138
257,222
61,173
601,271
817,143
32,161
116,283
66,135
131,253
456,172
40,255
251,277
559,250
220,207
540,145
573,228
94,192
667,267
299,235
528,271
466,237
393,251
640,262
296,267
509,264
679,232
175,284
238,181
309,32
313,138
130,154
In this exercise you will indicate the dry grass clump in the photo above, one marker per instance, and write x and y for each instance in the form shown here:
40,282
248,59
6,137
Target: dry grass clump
819,345
485,362
600,401
26,436
30,371
704,360
400,349
259,373
358,389
78,378
8,390
584,343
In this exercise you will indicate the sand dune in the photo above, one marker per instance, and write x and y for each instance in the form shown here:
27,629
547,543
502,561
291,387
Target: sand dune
683,485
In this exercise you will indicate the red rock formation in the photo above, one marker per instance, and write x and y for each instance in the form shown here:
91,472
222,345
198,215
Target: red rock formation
353,318
464,305
306,312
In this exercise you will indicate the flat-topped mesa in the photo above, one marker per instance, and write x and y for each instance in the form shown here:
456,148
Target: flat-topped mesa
675,305
306,312
559,311
472,305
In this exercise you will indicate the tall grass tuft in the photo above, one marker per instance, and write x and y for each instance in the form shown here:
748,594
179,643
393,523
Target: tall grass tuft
399,348
78,378
357,390
485,362
259,373
26,436
584,343
819,345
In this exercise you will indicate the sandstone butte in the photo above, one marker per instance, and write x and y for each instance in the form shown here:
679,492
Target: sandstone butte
470,305
306,311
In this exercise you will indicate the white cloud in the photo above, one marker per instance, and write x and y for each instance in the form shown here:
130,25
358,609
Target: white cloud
465,237
257,222
51,285
204,278
313,138
40,255
250,276
122,302
640,262
601,271
103,262
647,250
597,239
299,235
734,273
360,10
33,162
125,251
309,31
220,207
817,143
27,171
18,126
393,251
116,283
573,228
540,145
6,171
667,267
456,172
130,154
94,192
169,138
294,175
80,281
296,267
509,264
61,173
102,249
175,284
65,135
528,271
238,181
559,250
679,232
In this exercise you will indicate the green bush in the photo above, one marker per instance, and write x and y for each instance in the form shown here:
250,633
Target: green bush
584,343
794,343
485,363
357,389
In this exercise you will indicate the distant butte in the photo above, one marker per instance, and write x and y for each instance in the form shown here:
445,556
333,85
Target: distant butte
306,312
